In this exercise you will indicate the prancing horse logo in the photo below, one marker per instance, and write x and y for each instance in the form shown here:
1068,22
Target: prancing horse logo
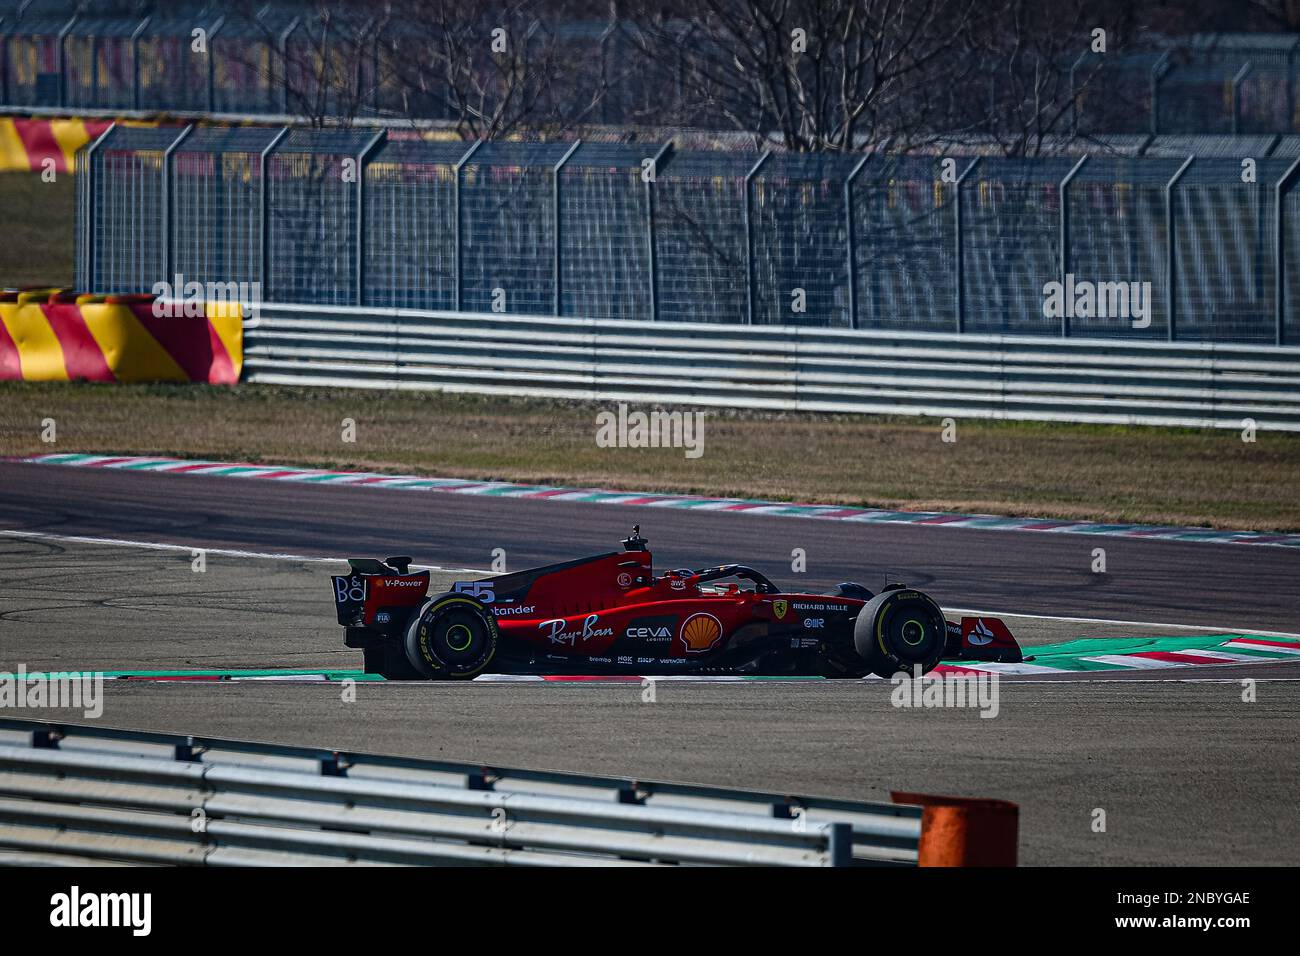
779,608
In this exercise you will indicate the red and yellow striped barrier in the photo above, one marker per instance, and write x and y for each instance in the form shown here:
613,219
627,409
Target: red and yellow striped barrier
25,144
54,336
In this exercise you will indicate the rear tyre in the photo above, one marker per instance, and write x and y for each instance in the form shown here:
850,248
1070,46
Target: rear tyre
900,630
453,637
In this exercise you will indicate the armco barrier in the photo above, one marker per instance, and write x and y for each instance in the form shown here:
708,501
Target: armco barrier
780,367
90,795
49,335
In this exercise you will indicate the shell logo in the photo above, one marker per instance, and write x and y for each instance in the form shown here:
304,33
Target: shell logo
700,632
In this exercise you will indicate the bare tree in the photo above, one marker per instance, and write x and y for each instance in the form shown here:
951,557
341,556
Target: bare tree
1278,14
1032,64
314,62
329,62
810,74
490,69
815,74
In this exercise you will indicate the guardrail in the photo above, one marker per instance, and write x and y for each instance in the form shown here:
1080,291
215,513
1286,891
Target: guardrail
1190,384
87,795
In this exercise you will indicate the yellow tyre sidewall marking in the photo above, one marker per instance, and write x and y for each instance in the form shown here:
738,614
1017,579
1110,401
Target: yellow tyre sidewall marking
423,633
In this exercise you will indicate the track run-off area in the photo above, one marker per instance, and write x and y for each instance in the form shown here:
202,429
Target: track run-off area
1147,719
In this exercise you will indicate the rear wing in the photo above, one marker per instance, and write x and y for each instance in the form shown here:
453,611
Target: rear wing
380,595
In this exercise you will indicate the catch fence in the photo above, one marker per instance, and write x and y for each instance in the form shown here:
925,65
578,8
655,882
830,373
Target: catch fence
1150,248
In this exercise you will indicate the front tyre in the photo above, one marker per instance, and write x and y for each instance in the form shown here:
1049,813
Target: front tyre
900,630
453,637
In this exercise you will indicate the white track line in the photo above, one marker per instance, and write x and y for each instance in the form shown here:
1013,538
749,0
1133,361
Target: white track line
1228,658
1009,670
1247,646
230,552
276,556
1139,663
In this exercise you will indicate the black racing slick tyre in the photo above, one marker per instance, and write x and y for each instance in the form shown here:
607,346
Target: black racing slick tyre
453,637
899,630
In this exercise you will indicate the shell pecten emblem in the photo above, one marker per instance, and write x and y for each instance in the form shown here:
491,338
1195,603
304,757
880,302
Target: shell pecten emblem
700,632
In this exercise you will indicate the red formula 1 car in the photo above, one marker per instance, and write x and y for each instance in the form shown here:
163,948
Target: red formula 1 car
610,614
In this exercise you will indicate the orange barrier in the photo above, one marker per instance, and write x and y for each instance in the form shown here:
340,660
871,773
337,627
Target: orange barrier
49,335
25,144
965,831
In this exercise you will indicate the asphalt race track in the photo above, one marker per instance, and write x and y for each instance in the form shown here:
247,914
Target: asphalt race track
1229,586
1185,770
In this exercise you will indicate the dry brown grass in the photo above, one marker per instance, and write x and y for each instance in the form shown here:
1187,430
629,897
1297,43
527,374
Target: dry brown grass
39,223
1120,474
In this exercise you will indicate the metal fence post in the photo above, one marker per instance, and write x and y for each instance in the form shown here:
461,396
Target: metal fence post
4,63
1290,86
264,217
850,236
657,163
1236,95
557,280
62,58
284,64
1279,251
1074,93
1261,234
135,61
455,195
362,159
167,232
749,238
88,174
94,71
212,59
374,74
1158,71
359,69
1065,237
1170,281
959,269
